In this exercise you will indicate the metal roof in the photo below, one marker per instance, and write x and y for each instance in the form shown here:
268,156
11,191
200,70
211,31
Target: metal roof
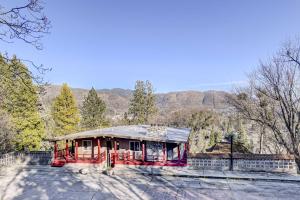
138,132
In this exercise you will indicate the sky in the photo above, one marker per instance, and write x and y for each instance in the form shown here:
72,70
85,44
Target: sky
177,45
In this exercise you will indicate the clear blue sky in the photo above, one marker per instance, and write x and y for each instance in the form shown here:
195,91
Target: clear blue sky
178,45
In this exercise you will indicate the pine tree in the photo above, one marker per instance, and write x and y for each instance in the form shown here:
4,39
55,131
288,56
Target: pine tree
65,112
242,135
212,139
93,110
142,105
150,101
218,136
20,102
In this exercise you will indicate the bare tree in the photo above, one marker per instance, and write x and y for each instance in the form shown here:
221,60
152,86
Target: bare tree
273,99
27,23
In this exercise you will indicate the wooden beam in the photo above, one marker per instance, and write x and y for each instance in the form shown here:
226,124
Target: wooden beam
164,152
143,151
115,151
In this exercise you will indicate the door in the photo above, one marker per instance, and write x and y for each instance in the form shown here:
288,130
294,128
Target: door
170,150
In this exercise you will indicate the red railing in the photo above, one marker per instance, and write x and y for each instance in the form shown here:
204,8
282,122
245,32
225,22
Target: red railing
61,153
138,155
88,156
128,155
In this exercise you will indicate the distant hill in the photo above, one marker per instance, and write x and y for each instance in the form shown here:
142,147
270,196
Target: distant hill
117,100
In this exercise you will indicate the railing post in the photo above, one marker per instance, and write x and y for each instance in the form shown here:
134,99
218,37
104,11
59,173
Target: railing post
76,150
99,147
185,150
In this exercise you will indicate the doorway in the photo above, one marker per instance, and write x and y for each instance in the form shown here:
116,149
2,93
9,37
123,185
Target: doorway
170,150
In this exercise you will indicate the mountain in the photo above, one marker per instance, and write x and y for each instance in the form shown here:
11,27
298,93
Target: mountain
117,100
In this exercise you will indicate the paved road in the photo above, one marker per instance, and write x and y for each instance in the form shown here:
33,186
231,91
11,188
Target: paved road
49,183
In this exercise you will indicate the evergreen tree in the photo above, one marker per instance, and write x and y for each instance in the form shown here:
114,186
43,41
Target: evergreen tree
150,101
142,105
21,103
212,139
65,112
218,136
93,110
242,135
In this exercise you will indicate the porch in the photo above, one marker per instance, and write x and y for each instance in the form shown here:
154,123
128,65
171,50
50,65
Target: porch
118,151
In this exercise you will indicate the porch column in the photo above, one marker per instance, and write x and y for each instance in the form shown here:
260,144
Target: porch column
185,149
115,150
164,152
143,151
99,147
55,150
93,153
67,149
76,150
178,150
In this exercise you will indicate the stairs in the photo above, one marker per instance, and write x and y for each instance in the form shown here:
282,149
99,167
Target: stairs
58,163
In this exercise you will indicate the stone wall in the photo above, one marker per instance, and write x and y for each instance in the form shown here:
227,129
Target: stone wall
244,162
30,158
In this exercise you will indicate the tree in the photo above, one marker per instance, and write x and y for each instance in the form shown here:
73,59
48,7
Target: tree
93,110
212,139
142,105
7,133
201,120
150,101
242,137
65,112
273,99
25,22
21,103
218,136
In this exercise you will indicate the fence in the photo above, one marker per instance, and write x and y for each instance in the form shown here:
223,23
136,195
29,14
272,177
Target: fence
30,158
244,162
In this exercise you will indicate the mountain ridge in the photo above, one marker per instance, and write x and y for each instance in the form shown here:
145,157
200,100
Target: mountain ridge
118,99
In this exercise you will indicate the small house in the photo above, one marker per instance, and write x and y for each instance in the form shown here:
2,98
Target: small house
127,145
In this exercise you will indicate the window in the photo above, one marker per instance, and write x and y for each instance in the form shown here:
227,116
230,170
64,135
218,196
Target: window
87,145
134,146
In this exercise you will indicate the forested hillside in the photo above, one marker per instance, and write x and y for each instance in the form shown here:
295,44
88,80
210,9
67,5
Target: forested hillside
117,100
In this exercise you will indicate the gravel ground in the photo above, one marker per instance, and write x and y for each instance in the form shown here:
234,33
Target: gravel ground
61,183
